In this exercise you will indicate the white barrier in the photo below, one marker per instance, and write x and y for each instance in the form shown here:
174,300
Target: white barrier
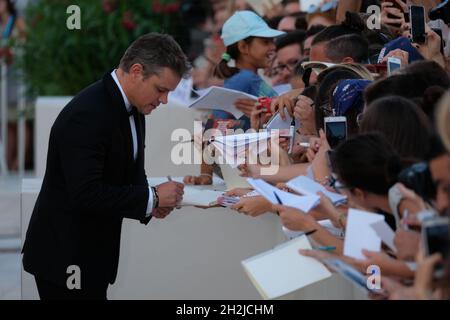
193,253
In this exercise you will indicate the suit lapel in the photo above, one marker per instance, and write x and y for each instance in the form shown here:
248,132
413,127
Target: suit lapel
121,116
138,120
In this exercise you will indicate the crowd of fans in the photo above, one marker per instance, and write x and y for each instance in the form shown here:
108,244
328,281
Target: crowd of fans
397,121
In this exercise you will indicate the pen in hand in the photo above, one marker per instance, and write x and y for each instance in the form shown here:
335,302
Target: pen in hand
325,248
279,200
292,135
169,178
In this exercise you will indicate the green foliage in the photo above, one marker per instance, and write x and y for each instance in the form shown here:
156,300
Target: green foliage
59,61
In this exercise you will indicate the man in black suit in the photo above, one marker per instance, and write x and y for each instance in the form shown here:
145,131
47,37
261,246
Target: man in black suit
95,174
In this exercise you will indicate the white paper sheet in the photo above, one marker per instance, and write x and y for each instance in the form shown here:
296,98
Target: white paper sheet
359,234
232,178
182,93
196,197
217,98
234,148
303,203
277,123
306,186
283,270
385,233
327,224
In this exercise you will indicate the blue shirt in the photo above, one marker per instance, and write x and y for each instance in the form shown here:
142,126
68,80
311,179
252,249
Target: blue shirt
249,82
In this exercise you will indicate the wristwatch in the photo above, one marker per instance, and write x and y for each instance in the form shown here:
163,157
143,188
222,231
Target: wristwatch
155,198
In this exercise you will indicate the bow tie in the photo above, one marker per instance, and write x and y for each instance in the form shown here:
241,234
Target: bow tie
133,111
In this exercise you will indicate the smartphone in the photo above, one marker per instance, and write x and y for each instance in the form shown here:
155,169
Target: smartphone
417,18
435,237
335,130
393,64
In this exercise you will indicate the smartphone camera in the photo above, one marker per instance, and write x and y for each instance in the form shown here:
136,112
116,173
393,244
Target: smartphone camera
335,130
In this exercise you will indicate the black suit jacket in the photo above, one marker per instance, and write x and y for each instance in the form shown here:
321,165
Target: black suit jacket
91,183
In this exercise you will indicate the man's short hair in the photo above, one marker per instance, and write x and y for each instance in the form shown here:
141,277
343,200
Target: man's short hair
293,37
332,32
313,30
155,51
351,45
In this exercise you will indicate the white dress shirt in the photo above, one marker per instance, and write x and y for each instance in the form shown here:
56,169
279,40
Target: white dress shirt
134,136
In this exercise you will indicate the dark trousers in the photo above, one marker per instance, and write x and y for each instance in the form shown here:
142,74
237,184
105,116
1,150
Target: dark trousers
50,291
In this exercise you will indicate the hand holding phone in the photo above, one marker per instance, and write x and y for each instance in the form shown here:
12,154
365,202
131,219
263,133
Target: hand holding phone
393,64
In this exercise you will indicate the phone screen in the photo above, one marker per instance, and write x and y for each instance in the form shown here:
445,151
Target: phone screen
418,24
438,238
336,132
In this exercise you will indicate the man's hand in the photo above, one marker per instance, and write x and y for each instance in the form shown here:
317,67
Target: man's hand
161,213
170,194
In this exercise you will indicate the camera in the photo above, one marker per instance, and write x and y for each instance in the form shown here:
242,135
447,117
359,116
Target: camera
442,11
435,239
418,178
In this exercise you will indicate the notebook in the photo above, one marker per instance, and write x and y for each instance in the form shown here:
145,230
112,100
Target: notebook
303,203
218,98
197,197
283,270
360,235
307,186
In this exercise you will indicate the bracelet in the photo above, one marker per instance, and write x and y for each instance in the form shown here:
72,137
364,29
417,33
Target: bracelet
206,175
155,198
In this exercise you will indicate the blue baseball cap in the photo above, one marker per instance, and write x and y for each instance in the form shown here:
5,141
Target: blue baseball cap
244,24
403,44
349,94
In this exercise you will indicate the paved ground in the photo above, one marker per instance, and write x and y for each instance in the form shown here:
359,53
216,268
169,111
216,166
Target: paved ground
10,266
10,261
